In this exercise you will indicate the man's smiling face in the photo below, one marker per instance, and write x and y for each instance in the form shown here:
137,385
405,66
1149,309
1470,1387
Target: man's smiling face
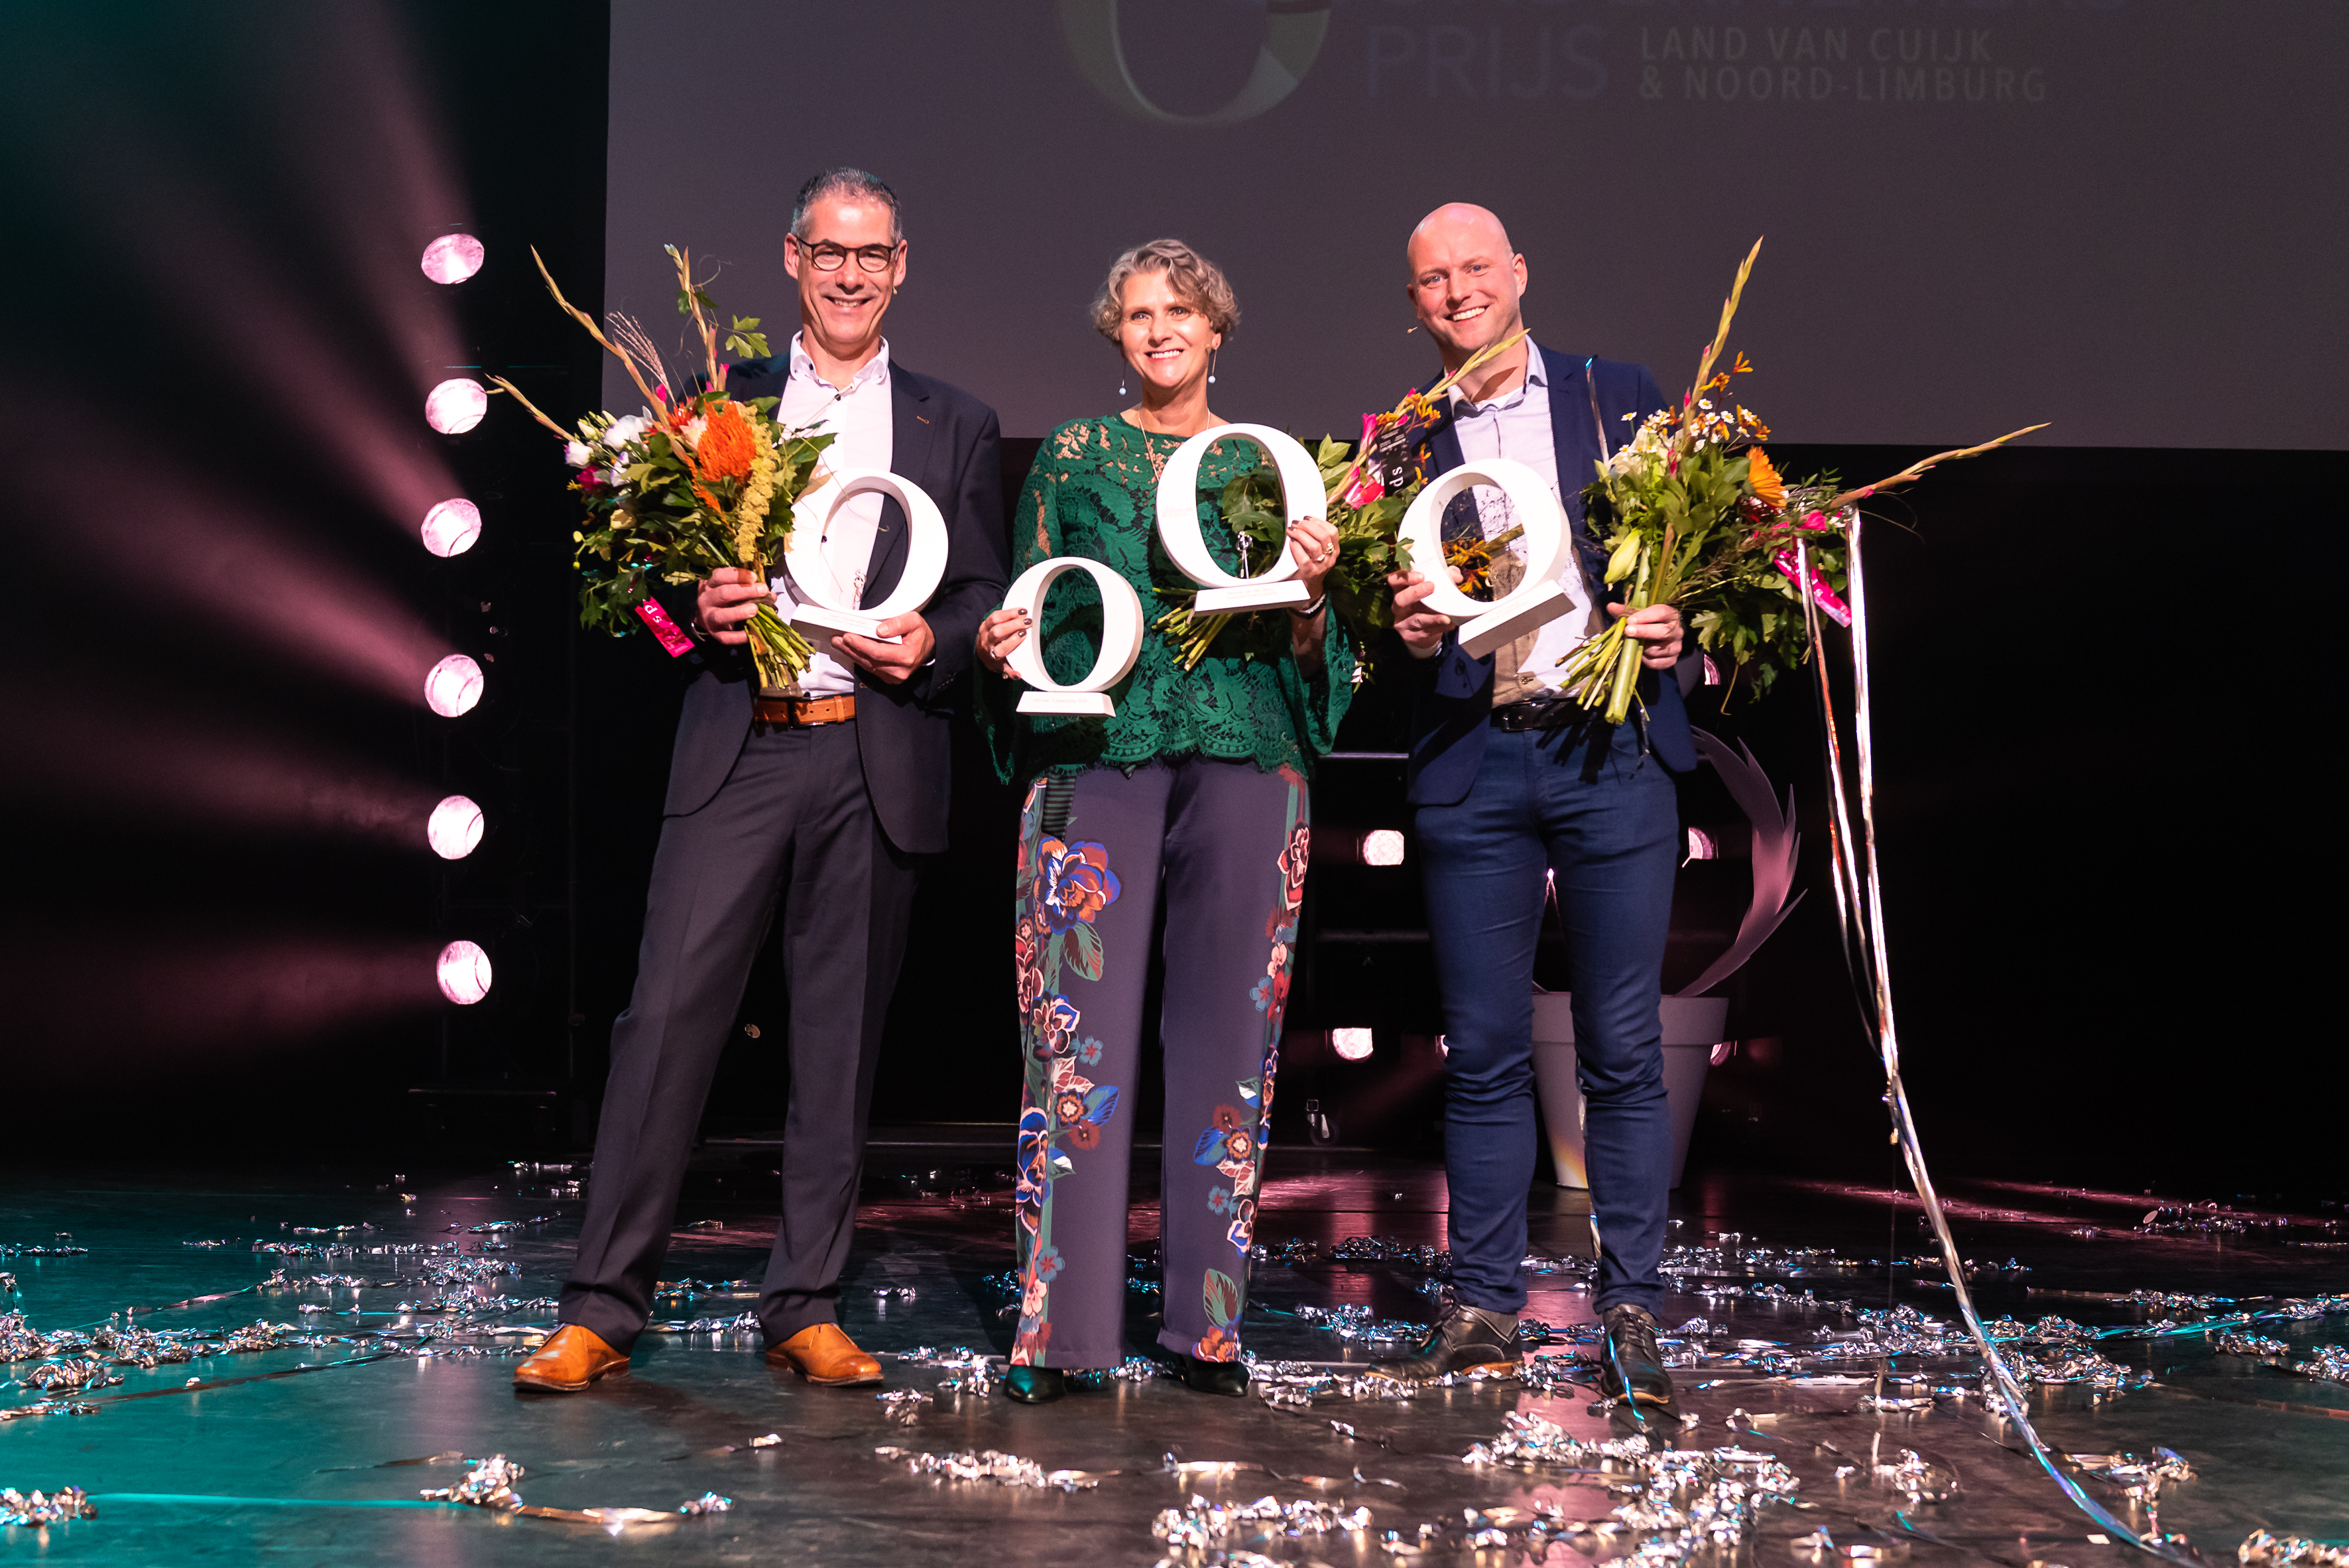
1465,282
843,307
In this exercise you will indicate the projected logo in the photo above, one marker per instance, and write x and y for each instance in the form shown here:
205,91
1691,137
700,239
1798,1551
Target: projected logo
1293,31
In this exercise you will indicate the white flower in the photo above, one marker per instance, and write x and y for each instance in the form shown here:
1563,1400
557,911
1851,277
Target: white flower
614,475
620,432
575,453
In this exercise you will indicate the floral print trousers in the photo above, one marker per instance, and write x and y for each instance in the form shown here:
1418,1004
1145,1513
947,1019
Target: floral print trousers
1228,844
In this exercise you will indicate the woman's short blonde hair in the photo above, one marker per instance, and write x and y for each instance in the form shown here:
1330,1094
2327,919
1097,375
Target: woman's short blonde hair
1196,281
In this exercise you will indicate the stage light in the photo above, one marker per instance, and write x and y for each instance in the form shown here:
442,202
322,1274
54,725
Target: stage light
452,258
455,407
1382,848
1352,1044
464,973
1700,845
453,687
451,526
455,828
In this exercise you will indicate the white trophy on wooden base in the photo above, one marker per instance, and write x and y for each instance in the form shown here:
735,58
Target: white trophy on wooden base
1121,639
1538,598
811,575
1220,591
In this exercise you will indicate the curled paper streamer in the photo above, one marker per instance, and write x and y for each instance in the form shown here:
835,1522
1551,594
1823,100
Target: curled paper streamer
1202,1525
490,1484
992,1465
2262,1550
41,1511
1859,912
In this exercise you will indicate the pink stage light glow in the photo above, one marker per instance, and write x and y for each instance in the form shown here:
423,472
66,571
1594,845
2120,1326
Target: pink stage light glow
456,406
199,764
452,258
455,828
453,687
1382,847
451,527
1353,1045
142,993
464,973
237,568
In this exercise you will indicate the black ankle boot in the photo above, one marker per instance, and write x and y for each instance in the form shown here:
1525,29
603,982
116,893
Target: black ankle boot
1631,1366
1035,1385
1468,1338
1215,1376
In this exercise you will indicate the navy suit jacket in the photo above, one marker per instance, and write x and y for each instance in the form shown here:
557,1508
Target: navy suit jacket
946,441
1452,699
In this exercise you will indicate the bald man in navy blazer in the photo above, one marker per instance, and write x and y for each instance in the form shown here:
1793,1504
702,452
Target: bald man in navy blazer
1513,784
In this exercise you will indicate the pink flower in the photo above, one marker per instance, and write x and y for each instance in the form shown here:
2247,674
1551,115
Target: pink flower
1367,487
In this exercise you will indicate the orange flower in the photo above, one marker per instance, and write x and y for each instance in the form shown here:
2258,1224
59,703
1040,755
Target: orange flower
726,445
1767,486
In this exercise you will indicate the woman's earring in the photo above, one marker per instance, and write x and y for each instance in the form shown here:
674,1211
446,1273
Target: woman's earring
1211,365
1120,381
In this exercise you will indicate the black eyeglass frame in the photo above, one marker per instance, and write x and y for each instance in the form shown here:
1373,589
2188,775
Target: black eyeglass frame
876,258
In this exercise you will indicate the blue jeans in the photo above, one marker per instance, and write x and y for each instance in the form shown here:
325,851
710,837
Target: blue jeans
1585,804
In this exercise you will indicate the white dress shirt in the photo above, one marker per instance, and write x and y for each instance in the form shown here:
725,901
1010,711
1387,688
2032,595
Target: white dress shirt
862,420
1517,426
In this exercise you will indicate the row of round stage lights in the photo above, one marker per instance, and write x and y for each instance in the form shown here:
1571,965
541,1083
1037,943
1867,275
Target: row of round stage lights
1379,847
454,684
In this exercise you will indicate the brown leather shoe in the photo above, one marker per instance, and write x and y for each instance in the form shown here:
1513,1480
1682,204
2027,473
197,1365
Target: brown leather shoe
825,1357
570,1358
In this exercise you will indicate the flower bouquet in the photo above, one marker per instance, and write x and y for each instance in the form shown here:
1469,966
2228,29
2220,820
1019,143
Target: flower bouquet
692,483
1367,487
1692,514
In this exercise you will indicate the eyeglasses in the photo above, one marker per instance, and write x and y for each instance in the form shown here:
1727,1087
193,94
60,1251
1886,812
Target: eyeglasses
827,257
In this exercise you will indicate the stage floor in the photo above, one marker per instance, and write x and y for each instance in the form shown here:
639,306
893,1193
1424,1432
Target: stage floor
315,1452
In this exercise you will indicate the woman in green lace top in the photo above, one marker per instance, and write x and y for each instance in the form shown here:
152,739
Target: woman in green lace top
1196,787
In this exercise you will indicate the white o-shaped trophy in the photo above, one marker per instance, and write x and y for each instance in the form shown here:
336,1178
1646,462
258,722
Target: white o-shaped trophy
925,553
1538,598
1178,519
1121,641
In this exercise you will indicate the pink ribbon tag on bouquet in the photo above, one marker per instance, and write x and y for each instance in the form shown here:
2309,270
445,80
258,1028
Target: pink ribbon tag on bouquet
1367,487
1829,601
669,635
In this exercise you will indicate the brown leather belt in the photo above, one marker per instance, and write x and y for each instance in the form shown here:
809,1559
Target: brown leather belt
802,712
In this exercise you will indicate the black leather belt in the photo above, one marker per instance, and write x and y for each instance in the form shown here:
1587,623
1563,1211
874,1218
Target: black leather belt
1543,713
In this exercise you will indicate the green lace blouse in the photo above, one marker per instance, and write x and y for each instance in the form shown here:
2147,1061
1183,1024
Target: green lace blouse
1094,492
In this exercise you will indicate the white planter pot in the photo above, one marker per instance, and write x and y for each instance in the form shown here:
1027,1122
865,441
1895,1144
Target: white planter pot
1693,1026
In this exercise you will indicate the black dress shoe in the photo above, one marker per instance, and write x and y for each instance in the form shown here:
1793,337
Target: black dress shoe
1629,1366
1467,1339
1035,1385
1215,1376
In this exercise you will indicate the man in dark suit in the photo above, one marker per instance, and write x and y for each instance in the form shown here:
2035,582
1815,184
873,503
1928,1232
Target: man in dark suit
1513,784
811,808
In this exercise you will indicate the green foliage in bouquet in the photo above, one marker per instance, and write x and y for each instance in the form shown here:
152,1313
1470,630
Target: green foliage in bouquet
1368,550
661,509
693,483
1692,514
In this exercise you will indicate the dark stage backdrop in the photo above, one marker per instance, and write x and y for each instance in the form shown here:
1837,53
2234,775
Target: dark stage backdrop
2102,689
2117,215
216,339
